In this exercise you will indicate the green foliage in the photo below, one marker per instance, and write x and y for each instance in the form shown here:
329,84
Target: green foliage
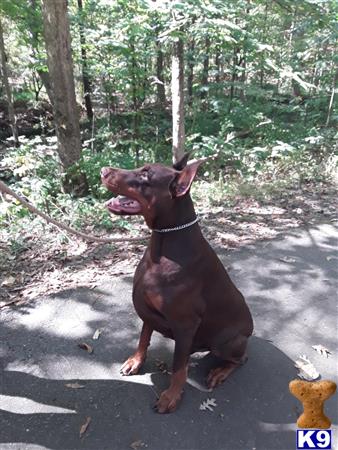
34,166
273,83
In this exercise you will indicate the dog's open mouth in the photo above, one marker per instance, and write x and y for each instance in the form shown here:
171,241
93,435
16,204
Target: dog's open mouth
123,205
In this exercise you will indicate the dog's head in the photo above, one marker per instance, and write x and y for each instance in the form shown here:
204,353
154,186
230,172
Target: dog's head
151,190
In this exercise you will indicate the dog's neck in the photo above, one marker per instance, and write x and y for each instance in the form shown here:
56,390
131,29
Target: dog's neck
171,244
181,212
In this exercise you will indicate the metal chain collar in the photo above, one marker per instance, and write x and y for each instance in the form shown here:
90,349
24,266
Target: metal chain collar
179,227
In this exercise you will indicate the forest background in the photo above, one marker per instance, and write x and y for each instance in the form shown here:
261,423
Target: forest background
93,83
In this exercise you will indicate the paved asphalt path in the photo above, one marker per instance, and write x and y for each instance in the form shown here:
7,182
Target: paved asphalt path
291,287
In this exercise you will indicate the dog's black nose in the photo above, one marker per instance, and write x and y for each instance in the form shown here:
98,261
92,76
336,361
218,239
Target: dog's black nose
105,171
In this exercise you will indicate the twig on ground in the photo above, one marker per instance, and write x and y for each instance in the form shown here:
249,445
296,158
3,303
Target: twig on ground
87,237
12,302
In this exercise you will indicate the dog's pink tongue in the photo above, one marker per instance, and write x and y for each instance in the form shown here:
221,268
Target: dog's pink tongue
113,205
123,204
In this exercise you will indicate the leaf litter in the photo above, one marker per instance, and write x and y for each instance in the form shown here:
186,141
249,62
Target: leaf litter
97,334
85,346
322,350
307,370
287,259
49,265
84,426
208,404
137,444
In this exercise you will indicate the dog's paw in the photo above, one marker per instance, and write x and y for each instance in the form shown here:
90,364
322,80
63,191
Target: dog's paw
131,366
167,402
220,374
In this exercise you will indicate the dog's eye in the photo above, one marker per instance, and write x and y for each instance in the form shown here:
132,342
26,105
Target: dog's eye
144,175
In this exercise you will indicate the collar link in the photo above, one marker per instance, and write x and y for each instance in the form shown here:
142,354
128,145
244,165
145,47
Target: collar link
179,227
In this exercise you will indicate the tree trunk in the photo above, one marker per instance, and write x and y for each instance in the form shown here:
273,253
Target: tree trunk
205,73
218,64
243,76
242,62
263,39
37,85
296,34
177,92
330,108
136,100
11,113
85,76
44,76
190,79
233,77
161,100
60,67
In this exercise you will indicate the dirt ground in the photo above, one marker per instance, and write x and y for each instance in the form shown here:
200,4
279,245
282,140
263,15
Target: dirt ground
47,261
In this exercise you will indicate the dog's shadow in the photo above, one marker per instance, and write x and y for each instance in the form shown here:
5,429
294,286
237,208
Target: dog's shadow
255,409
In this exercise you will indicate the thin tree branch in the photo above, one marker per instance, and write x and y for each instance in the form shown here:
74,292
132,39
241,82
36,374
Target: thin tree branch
4,188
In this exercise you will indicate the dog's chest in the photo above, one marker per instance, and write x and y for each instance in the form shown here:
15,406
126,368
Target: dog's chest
154,283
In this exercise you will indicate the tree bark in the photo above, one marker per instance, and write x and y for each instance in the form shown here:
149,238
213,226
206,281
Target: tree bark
218,64
330,108
32,25
263,39
205,73
159,75
87,89
44,76
136,100
190,78
233,77
11,113
60,67
243,76
177,92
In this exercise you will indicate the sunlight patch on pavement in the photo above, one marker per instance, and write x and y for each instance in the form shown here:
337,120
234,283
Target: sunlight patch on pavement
273,427
72,368
69,320
23,405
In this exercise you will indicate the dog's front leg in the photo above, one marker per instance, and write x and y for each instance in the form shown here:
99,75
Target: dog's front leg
134,362
170,398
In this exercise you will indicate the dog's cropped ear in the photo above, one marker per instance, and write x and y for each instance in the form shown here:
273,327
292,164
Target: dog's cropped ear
182,182
180,164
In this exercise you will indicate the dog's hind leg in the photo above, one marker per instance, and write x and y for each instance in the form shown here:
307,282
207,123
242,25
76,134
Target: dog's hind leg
233,353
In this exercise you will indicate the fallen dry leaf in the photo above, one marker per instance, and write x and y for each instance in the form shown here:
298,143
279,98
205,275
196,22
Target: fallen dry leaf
86,347
137,444
162,366
97,334
209,404
84,426
330,258
307,370
321,350
8,281
75,385
287,259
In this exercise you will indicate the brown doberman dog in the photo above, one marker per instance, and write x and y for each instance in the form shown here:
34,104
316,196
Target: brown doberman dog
181,288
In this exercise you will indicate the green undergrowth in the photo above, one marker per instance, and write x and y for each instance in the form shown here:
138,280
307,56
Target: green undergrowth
280,146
